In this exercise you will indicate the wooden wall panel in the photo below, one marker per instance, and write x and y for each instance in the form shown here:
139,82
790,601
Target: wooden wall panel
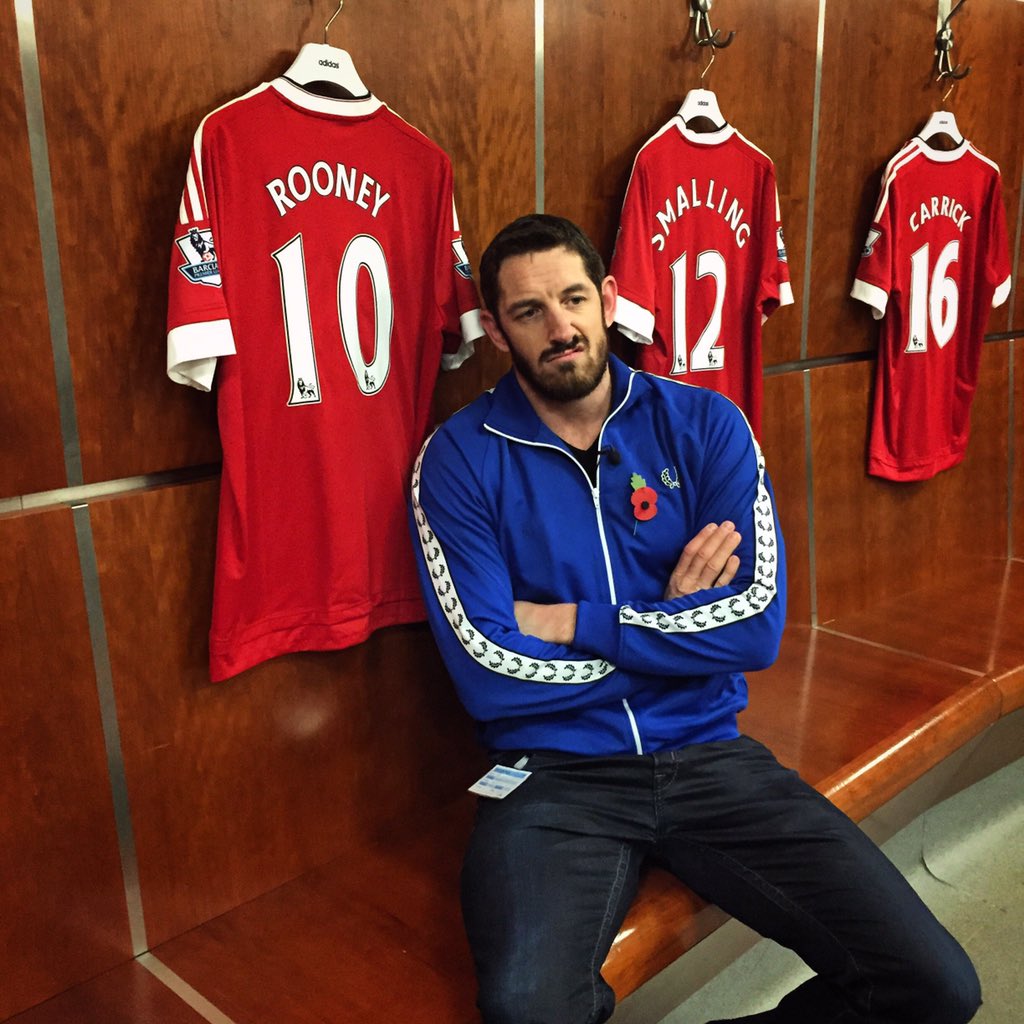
239,786
988,36
461,82
784,453
876,539
1017,486
32,453
62,904
127,995
876,92
613,77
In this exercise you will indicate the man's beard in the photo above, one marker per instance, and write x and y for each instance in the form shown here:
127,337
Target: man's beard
568,381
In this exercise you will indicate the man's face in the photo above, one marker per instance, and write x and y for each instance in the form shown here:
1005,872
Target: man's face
552,321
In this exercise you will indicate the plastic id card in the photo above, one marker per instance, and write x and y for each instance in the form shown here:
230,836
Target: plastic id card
499,782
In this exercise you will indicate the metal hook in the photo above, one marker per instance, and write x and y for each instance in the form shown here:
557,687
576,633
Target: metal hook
341,3
944,45
703,34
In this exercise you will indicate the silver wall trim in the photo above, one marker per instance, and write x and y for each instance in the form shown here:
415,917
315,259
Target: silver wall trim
40,157
812,563
1011,540
183,989
111,729
805,311
812,181
71,496
538,103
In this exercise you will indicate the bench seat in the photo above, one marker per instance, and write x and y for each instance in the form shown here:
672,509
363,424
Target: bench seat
862,708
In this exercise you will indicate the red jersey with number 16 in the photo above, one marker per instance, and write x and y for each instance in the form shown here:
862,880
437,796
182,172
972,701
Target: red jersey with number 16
700,261
934,265
319,269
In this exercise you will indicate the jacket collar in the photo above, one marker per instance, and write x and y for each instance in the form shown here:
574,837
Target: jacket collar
512,415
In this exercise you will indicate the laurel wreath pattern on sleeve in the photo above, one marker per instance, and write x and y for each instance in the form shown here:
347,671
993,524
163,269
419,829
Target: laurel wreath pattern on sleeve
489,654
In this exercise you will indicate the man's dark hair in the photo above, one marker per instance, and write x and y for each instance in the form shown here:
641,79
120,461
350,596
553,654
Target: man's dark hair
536,232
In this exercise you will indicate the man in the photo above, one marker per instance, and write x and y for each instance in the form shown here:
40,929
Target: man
602,562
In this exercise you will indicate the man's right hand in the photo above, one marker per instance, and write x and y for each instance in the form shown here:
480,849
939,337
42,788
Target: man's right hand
707,561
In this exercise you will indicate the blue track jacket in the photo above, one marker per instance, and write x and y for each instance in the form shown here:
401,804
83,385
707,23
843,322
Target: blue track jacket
502,511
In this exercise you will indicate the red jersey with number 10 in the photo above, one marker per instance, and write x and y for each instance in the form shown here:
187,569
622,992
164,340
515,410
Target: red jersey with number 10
319,269
700,261
934,265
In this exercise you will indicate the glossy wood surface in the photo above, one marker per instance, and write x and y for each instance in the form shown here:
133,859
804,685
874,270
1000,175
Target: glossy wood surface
1016,488
129,994
974,619
238,787
623,75
372,937
62,905
995,84
876,539
461,73
31,451
875,93
785,458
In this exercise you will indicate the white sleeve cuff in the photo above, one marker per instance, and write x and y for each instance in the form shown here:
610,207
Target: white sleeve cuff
874,296
1002,293
785,294
469,324
635,322
193,350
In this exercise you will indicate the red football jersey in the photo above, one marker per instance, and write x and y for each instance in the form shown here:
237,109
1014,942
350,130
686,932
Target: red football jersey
700,261
319,269
934,264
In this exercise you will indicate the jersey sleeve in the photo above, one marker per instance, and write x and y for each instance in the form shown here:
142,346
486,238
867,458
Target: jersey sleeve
735,628
198,329
633,263
498,671
775,289
875,274
456,293
997,260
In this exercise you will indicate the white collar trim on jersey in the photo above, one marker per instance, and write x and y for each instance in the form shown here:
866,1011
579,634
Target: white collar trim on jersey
705,138
943,156
325,104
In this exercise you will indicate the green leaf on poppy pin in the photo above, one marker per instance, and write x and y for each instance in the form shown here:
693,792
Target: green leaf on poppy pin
637,481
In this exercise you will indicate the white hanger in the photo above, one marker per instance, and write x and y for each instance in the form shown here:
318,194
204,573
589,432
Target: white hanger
702,103
942,122
327,70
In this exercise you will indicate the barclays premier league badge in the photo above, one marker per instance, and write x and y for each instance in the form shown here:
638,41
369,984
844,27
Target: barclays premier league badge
198,249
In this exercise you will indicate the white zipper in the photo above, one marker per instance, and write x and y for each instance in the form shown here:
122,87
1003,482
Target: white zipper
595,492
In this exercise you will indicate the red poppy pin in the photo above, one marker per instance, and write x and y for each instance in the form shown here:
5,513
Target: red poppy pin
644,499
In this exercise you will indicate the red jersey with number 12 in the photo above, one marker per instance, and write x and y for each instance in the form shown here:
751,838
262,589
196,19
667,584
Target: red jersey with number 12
319,269
700,261
934,265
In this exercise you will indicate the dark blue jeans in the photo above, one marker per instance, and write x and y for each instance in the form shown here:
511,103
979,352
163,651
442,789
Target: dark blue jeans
552,869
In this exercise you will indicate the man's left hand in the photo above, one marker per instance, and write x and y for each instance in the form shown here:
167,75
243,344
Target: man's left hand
553,623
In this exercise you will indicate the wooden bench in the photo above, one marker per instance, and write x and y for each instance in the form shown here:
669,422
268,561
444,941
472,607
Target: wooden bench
862,708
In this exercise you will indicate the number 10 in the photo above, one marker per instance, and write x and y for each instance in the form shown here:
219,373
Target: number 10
362,252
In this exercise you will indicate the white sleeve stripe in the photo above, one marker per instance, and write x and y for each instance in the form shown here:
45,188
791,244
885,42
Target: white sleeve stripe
193,196
751,602
981,156
904,157
1002,293
488,654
